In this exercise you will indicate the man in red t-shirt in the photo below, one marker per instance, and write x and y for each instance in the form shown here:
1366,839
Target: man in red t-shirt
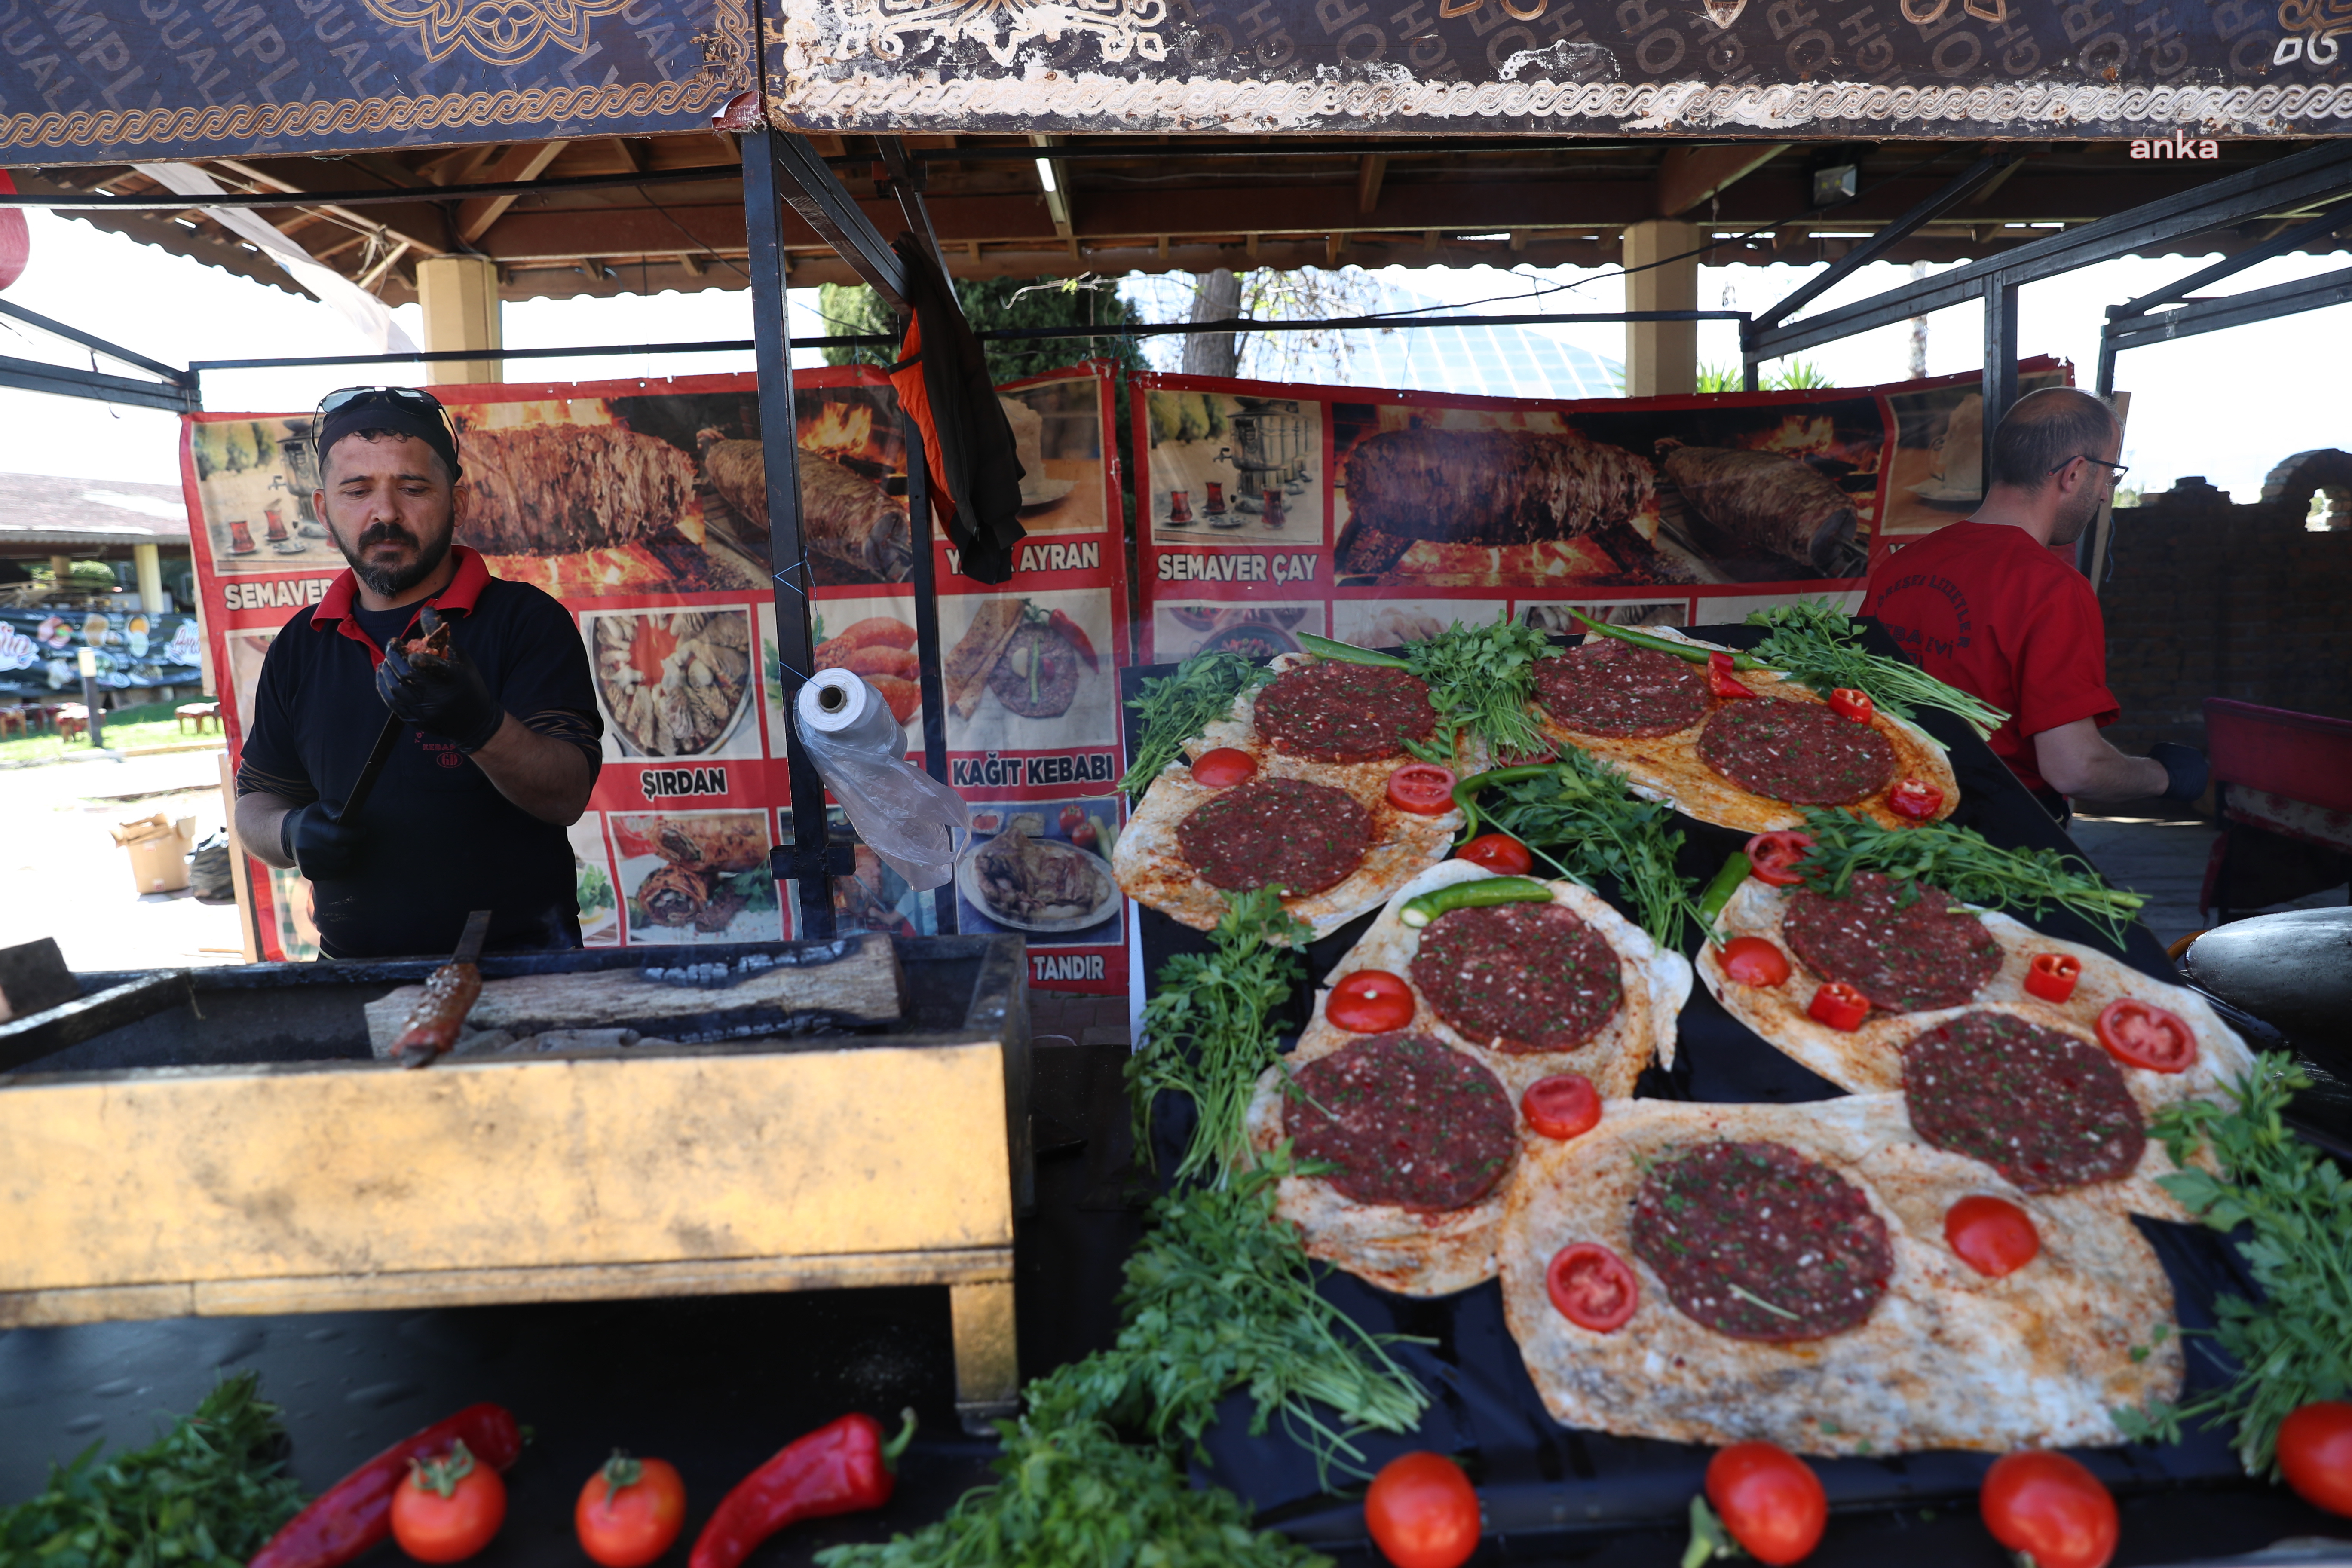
1988,606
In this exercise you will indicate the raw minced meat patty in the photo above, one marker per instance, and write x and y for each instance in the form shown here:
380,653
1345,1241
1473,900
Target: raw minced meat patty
1907,957
2045,1109
1760,1242
1797,751
1301,836
1611,687
1520,977
1330,711
1407,1119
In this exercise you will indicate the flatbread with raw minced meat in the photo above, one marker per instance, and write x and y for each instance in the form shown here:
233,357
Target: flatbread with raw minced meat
1754,764
1948,988
1316,818
1867,1335
1600,1001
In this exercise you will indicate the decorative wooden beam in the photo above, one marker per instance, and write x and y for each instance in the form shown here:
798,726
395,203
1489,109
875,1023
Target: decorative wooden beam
1689,175
525,163
1370,170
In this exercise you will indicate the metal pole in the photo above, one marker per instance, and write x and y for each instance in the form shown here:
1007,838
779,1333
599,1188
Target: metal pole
2000,360
804,861
2106,383
927,638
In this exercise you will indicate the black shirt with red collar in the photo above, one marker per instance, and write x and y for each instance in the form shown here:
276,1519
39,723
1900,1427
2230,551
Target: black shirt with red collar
440,838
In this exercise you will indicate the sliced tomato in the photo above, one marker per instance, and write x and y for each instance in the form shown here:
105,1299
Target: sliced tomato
2050,1506
1370,1001
2315,1454
1561,1106
1849,702
2052,975
1422,788
1592,1286
1224,768
1991,1235
2141,1035
1752,961
1838,1005
1498,852
1423,1511
1723,677
1769,1499
1772,857
1915,799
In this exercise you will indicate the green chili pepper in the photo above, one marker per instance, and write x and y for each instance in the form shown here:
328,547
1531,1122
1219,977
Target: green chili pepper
1418,912
1682,650
1347,652
1465,788
1718,892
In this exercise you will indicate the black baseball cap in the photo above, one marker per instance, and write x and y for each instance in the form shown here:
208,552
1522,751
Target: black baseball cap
402,410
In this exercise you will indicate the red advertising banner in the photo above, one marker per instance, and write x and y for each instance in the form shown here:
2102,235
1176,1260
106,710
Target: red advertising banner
1380,517
641,506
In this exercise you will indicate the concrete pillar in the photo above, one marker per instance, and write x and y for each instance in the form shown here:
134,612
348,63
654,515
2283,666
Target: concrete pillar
149,562
1661,357
460,297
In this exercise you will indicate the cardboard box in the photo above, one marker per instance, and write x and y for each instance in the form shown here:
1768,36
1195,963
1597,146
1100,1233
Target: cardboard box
159,851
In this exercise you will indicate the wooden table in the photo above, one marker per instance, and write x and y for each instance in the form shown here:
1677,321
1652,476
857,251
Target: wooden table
200,713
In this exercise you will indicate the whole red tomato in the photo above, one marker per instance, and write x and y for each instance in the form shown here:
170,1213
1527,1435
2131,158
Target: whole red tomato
1423,1511
1769,1499
2314,1452
1499,853
1071,815
630,1511
2048,1506
448,1508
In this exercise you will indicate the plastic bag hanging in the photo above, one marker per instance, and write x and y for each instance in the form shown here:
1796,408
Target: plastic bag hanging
919,826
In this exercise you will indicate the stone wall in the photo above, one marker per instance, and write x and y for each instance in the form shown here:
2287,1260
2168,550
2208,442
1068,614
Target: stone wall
2211,599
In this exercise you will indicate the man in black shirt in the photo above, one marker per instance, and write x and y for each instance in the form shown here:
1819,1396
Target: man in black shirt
499,743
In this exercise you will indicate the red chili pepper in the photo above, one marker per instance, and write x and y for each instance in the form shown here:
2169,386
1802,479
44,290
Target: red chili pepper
845,1468
1723,679
2051,975
1077,640
1838,1005
356,1512
1847,703
1915,800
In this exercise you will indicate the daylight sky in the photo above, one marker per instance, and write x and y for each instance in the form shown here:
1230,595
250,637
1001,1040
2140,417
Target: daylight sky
2228,405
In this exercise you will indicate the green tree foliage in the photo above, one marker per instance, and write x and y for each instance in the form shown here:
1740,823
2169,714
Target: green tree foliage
995,304
1796,375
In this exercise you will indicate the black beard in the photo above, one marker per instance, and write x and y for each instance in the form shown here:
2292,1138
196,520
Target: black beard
391,582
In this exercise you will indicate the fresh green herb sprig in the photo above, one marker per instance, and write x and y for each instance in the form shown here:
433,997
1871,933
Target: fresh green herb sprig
1575,812
1818,645
1480,678
2295,1344
1072,1492
1205,1034
1959,861
210,1491
1176,708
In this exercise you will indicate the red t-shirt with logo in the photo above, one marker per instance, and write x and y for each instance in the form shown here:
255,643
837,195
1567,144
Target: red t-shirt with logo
1987,608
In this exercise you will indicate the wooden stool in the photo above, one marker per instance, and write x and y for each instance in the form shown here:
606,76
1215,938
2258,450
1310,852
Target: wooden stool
12,716
201,713
72,718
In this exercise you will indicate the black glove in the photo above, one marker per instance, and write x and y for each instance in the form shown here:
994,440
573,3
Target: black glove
320,844
2185,766
442,694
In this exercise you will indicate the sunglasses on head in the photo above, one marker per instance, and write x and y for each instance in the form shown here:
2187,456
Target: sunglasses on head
396,396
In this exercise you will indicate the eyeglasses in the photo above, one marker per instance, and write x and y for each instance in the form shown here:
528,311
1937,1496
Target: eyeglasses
400,396
2119,469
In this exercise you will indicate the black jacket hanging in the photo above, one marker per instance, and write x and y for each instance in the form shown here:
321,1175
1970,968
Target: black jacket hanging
943,385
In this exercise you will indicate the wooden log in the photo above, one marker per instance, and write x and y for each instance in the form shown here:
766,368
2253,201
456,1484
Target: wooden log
27,1039
862,983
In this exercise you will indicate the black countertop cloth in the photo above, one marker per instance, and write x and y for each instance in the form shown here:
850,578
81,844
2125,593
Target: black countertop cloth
1537,1478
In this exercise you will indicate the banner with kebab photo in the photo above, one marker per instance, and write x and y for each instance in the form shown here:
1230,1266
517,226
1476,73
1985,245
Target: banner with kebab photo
641,506
1379,518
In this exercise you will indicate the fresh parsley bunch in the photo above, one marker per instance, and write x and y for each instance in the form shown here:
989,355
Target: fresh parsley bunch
210,1491
1481,680
1819,646
1175,708
2295,1205
1575,814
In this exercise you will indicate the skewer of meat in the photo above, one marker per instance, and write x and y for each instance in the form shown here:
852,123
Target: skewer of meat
1486,488
1760,503
433,1024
